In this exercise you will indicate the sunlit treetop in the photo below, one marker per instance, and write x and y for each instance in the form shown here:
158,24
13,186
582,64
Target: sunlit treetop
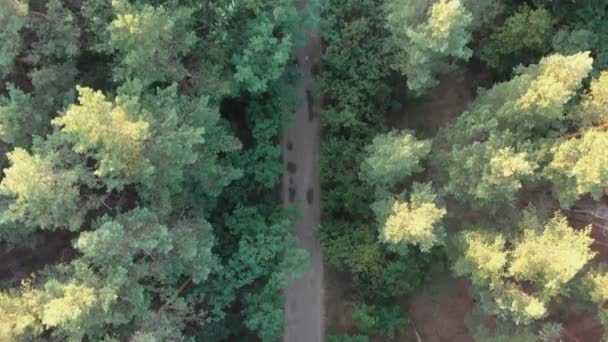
546,257
593,109
115,137
150,41
43,194
392,157
530,105
553,257
580,166
417,222
428,38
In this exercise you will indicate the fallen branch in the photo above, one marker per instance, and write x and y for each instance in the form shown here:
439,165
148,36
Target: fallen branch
39,14
580,133
569,335
177,293
418,339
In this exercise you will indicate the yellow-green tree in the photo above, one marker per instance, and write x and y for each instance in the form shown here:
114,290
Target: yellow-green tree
548,257
579,167
428,39
415,222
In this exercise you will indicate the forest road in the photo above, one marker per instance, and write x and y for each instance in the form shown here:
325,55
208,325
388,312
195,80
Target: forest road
304,313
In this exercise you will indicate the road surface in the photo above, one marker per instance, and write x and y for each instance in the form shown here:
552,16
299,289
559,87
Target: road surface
304,312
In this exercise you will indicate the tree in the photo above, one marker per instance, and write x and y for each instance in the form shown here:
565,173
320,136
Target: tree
500,141
43,193
498,266
143,167
150,41
522,39
595,288
537,257
428,44
112,135
487,174
392,157
12,20
592,109
413,223
383,319
482,257
579,167
48,61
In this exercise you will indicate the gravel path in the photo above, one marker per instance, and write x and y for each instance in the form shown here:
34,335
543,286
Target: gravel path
304,318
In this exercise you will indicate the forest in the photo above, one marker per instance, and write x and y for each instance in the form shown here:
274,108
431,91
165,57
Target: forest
463,168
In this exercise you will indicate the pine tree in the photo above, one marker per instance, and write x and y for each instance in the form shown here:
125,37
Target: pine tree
12,20
579,167
497,267
416,222
392,157
150,41
494,146
428,46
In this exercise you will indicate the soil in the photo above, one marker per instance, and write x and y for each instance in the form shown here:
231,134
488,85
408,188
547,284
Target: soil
437,312
338,296
443,104
41,249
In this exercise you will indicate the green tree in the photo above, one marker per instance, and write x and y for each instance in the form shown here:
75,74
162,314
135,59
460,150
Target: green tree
48,63
143,167
392,157
428,44
12,20
524,37
150,41
386,320
43,193
579,167
112,135
537,257
417,222
592,109
498,266
500,141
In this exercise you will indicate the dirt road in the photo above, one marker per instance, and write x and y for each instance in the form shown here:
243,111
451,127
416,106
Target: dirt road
300,186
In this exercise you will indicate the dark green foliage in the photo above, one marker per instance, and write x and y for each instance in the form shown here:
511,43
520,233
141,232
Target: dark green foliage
347,338
386,320
47,74
175,226
524,37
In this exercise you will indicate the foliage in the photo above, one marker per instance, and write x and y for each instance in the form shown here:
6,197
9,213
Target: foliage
144,169
386,320
363,317
44,194
12,21
595,287
347,338
499,142
392,157
47,63
579,167
497,267
428,44
538,256
484,13
416,222
524,37
150,41
592,108
109,133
